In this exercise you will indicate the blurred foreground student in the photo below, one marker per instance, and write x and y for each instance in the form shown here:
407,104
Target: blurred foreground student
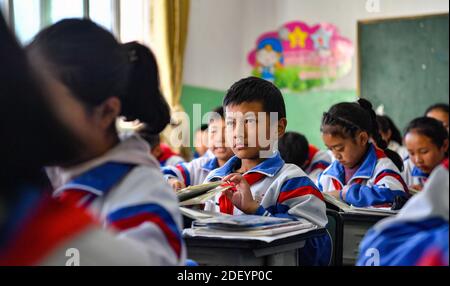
295,149
195,172
35,229
115,178
418,235
266,185
363,175
427,142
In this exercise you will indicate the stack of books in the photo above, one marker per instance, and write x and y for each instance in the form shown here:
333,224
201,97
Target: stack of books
247,227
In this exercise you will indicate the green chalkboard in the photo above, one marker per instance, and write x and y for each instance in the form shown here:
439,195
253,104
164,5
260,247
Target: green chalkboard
403,64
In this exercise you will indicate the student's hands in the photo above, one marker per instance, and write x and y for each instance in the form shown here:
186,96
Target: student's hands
336,194
243,197
416,187
176,184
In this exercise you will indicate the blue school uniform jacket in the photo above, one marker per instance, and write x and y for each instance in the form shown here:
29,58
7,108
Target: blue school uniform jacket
38,230
284,190
125,190
413,175
418,235
377,182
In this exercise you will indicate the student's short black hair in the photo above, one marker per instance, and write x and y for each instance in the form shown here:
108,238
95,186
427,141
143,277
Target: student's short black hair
429,127
254,89
439,106
94,66
294,148
203,128
216,113
219,110
385,124
31,135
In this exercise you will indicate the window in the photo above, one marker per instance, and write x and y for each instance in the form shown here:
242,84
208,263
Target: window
26,18
102,12
66,9
126,19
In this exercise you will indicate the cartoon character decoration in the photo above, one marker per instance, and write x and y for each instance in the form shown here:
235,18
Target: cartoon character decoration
269,57
300,57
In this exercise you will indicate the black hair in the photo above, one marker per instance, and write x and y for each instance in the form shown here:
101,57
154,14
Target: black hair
254,89
216,113
147,134
439,106
219,110
32,137
203,128
94,66
347,118
429,127
385,124
294,148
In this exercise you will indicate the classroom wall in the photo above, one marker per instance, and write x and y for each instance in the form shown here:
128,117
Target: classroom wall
310,105
221,33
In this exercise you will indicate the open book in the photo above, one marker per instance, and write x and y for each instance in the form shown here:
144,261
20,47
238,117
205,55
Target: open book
382,211
197,195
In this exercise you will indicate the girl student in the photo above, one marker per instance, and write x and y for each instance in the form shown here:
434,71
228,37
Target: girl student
115,178
427,142
363,174
35,229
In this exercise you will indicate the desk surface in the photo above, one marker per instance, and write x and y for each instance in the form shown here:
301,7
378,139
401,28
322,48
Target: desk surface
362,217
227,252
249,244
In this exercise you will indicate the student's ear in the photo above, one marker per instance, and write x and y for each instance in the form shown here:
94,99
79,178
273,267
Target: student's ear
445,146
363,138
282,124
107,113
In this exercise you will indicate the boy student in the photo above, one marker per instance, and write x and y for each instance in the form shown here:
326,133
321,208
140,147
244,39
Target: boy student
195,172
266,185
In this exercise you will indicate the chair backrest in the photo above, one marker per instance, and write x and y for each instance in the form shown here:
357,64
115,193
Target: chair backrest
336,229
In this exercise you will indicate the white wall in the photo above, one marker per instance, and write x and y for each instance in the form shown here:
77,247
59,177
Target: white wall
222,32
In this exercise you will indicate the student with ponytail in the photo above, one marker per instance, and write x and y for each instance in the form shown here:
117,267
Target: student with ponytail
35,229
115,178
364,174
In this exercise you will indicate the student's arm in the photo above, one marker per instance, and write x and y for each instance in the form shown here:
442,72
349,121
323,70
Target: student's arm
299,198
387,185
183,172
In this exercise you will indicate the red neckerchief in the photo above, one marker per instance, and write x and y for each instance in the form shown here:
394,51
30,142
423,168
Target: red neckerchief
226,206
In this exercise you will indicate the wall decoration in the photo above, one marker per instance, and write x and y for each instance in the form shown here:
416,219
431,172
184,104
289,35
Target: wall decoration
300,57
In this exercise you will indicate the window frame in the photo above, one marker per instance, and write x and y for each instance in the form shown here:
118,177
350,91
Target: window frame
45,14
